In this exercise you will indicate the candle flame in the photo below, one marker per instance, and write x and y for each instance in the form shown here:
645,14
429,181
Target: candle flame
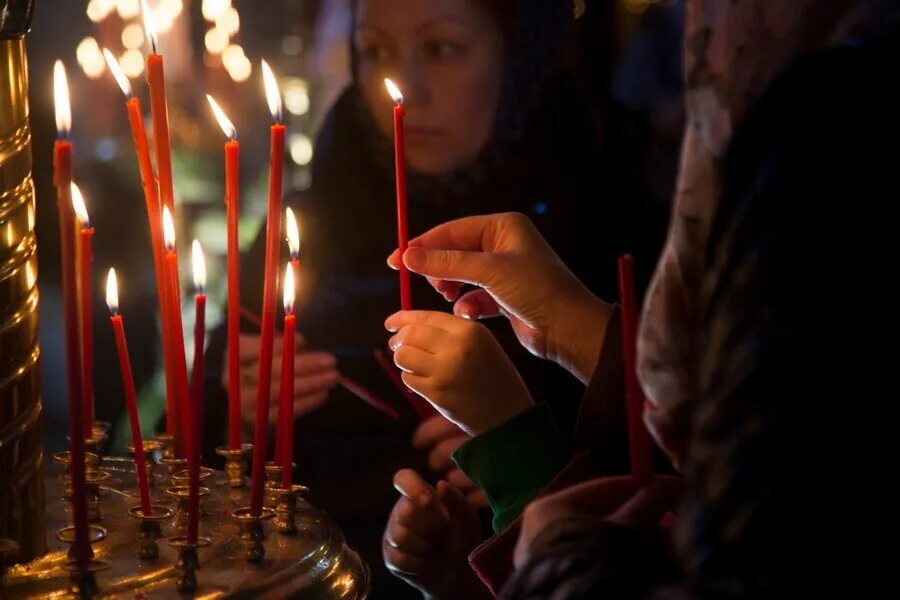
224,122
116,69
393,90
112,292
149,25
80,209
273,94
168,229
199,265
61,100
293,234
289,291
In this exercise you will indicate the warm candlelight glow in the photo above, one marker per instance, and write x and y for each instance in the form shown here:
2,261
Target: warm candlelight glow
289,290
273,94
61,100
116,69
199,265
168,230
393,90
149,25
80,209
224,122
293,234
112,292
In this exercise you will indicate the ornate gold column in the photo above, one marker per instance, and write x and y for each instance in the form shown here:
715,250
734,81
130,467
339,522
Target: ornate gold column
21,453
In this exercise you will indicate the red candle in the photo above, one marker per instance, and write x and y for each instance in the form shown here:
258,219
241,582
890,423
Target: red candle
176,333
400,169
62,178
160,112
270,284
293,241
197,390
151,199
112,300
232,211
87,315
638,439
286,393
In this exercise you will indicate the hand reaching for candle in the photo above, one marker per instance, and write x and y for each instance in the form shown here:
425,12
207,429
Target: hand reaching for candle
428,537
458,366
440,438
315,374
519,276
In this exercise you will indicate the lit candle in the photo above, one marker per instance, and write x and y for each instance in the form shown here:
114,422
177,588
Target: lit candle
176,333
286,392
270,285
112,301
293,242
199,269
159,110
62,177
87,316
232,211
151,199
400,171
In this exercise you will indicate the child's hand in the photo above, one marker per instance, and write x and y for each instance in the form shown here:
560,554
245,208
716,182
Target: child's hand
458,366
440,438
428,537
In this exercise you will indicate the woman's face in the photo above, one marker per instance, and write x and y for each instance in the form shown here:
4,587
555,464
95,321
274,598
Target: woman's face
446,56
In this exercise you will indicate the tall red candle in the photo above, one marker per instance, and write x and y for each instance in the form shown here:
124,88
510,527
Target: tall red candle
400,172
85,270
293,242
270,285
197,376
232,212
151,199
62,179
112,301
177,335
286,392
159,110
638,438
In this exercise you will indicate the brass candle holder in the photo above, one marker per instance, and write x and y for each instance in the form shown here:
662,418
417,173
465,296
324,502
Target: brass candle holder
83,583
252,531
167,442
188,562
181,495
173,465
91,461
150,528
286,508
151,447
235,464
183,478
93,480
67,536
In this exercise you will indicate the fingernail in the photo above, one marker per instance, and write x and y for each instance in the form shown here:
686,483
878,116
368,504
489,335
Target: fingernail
394,343
414,258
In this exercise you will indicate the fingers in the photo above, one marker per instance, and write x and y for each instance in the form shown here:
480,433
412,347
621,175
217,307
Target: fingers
433,430
413,360
423,514
438,320
468,233
439,458
477,304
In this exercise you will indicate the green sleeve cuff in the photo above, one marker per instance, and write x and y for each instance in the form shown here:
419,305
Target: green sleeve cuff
514,461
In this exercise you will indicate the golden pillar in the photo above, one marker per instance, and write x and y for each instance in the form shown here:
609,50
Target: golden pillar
21,453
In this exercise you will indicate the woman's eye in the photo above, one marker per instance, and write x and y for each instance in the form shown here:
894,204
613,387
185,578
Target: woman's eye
442,50
373,52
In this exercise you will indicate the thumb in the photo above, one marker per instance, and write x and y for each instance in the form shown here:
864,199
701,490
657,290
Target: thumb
477,304
477,268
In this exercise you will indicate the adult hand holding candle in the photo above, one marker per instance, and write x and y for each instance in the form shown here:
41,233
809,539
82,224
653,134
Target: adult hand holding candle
176,333
199,269
87,315
270,285
112,301
400,173
62,178
232,211
286,399
151,199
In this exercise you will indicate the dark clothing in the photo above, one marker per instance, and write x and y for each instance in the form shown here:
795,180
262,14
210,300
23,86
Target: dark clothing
779,496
